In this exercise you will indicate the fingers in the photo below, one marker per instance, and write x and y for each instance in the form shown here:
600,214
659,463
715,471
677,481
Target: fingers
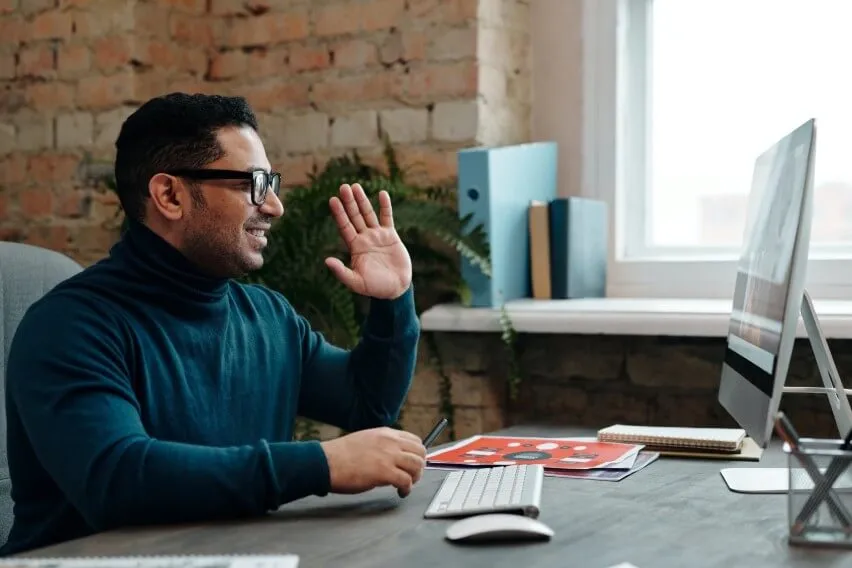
344,225
347,276
402,481
414,446
364,206
350,205
385,210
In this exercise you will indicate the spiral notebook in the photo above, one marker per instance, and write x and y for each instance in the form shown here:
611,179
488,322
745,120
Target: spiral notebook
154,561
674,437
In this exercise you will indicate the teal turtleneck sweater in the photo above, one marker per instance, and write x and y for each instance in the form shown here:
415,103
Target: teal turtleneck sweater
140,391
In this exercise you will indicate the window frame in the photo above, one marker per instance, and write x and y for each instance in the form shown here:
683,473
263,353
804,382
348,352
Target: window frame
614,120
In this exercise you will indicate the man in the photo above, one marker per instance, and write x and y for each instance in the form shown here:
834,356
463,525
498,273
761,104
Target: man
154,388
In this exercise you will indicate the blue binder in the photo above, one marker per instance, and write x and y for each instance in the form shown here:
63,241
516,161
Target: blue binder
495,186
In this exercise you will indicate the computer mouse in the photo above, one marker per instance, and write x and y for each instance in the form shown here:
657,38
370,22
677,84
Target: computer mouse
498,527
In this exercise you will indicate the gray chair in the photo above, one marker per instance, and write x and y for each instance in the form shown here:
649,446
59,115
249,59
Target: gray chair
27,272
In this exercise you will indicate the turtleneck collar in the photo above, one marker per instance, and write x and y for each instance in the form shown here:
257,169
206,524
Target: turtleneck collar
164,266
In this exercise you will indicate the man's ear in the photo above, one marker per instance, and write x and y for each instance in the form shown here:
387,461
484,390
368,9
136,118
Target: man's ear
168,196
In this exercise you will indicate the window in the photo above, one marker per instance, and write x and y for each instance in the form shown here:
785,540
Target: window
680,98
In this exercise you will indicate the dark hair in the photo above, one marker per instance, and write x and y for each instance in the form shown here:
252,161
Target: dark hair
172,131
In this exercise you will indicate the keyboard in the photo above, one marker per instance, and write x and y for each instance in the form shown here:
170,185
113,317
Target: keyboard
490,489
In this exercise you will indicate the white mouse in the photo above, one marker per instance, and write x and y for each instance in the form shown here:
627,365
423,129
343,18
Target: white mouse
497,527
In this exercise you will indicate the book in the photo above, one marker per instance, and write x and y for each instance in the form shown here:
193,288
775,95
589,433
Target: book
578,247
553,453
675,437
154,561
539,250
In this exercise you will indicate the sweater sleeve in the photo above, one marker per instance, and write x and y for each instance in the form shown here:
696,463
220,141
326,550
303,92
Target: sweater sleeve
70,383
366,386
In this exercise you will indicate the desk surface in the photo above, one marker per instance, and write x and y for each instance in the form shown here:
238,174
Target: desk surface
674,513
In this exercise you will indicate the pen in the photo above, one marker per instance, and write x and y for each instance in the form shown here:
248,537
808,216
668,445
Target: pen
436,431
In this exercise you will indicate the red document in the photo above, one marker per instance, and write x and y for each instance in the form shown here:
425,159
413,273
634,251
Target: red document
552,453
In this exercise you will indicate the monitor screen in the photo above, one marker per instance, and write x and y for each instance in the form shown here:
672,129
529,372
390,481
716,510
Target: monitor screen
767,281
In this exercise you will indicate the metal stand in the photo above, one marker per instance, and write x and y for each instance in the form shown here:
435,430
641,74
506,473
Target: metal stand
833,389
776,480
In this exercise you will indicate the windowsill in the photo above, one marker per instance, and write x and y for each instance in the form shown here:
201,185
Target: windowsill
619,316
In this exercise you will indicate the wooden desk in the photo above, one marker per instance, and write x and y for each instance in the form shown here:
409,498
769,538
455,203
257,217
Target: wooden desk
674,513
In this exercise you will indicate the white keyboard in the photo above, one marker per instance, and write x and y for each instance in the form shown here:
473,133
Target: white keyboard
490,489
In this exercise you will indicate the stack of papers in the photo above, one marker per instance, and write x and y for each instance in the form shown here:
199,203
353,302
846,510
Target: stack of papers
584,458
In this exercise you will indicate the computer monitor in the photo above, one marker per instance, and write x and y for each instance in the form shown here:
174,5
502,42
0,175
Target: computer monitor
770,295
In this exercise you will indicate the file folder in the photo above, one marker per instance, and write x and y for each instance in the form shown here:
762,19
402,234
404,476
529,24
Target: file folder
495,187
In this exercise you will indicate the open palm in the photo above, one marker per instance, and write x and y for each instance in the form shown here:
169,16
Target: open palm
380,264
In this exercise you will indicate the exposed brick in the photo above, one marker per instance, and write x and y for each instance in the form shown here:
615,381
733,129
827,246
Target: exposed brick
35,131
7,65
74,204
53,237
13,169
443,11
84,4
415,44
166,56
13,29
7,138
405,125
99,92
35,202
93,238
29,7
188,6
227,64
154,18
105,17
306,133
113,52
453,44
455,120
295,169
245,7
73,60
428,165
355,53
355,130
361,88
200,31
309,57
440,80
337,18
4,205
268,29
75,130
51,25
381,14
266,62
37,61
49,96
275,95
49,168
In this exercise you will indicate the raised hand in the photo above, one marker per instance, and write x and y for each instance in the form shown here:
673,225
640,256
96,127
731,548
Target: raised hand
380,264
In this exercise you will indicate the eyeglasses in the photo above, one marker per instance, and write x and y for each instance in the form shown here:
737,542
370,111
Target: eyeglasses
261,180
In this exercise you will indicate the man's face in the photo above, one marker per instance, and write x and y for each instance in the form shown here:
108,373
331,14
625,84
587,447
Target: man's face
224,233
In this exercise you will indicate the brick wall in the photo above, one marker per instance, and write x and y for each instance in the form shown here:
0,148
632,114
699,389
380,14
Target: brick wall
325,76
597,380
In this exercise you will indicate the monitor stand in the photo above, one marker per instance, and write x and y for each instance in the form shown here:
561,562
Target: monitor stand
776,480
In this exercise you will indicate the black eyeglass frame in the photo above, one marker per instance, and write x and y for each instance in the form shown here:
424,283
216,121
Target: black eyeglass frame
261,180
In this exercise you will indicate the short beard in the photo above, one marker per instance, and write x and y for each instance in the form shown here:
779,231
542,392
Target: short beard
200,242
